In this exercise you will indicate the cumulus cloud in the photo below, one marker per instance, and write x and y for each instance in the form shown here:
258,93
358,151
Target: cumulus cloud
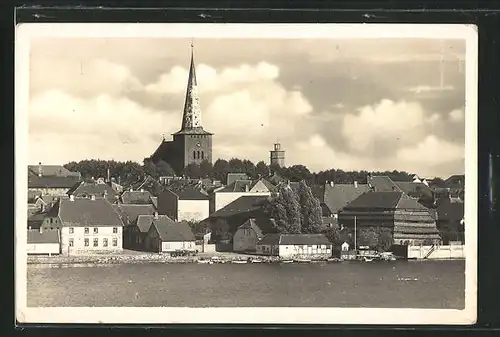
432,151
457,115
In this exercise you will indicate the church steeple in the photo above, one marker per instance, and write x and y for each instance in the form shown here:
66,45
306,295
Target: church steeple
191,118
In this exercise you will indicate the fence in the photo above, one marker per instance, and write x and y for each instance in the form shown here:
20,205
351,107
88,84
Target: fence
436,252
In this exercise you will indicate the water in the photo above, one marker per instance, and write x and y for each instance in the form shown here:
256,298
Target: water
404,284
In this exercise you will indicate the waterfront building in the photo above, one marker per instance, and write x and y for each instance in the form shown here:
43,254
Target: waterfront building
42,242
192,143
189,203
295,246
167,236
129,214
87,225
247,235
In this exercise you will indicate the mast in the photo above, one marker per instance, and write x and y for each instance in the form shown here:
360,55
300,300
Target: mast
355,235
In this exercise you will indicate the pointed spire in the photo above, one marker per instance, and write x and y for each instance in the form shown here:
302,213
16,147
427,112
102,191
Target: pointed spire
192,113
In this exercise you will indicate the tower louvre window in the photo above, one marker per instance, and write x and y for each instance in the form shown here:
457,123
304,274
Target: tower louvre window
194,154
202,155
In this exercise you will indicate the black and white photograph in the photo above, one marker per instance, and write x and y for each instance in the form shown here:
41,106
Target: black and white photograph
246,173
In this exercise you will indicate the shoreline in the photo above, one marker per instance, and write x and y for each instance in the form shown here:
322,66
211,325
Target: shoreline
167,259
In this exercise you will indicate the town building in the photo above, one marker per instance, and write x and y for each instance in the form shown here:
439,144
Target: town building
450,220
139,231
136,197
87,225
291,246
42,242
238,188
409,222
51,185
189,203
166,236
85,189
129,214
51,171
232,177
277,156
249,233
192,143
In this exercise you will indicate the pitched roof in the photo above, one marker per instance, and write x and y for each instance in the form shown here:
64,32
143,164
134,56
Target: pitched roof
52,182
83,189
136,197
144,222
246,185
154,201
406,202
412,188
375,200
382,184
294,239
82,212
339,195
171,231
51,170
130,212
243,204
48,199
232,177
47,236
190,193
252,224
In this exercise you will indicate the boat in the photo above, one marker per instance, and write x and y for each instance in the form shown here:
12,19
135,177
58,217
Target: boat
303,260
387,256
205,262
256,261
286,261
333,259
239,261
367,259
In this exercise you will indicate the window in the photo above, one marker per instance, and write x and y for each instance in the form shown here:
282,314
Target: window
96,242
86,242
202,155
115,242
105,242
96,230
71,230
86,230
115,230
51,220
194,154
71,243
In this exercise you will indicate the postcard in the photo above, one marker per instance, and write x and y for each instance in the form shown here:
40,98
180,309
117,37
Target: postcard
246,173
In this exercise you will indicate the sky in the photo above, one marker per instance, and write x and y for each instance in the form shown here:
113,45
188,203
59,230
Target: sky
351,104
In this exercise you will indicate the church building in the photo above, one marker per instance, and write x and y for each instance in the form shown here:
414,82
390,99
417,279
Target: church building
191,144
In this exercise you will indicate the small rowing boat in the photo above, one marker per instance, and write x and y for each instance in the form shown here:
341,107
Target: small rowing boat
239,261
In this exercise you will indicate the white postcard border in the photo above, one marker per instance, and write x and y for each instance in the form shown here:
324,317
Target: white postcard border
116,315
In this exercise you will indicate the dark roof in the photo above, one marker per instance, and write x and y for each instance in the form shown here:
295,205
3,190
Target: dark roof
294,239
243,185
193,131
47,236
130,212
136,197
407,202
232,177
412,188
376,200
339,195
86,212
171,231
455,181
37,217
382,184
243,204
450,210
88,189
144,222
51,170
52,182
190,193
252,224
48,199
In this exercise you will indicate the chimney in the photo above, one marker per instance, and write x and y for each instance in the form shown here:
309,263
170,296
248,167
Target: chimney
29,228
109,176
40,169
41,229
131,189
246,188
331,183
142,190
355,184
92,197
156,215
72,197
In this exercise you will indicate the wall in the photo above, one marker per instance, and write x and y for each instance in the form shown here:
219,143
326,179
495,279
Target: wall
289,251
168,204
178,245
196,210
42,248
267,249
223,199
441,252
79,237
245,239
190,145
50,191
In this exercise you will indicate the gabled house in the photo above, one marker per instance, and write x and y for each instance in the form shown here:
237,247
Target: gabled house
42,242
167,236
87,225
249,233
44,202
88,189
51,185
408,221
333,197
129,214
382,184
140,231
239,188
419,191
136,197
189,203
295,246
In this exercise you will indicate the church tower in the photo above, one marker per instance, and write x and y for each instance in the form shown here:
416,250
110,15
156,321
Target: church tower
277,155
191,144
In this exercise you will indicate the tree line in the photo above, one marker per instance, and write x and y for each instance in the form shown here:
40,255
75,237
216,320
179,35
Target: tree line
129,171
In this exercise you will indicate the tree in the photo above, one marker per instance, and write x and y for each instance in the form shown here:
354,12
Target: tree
298,173
311,213
150,169
333,235
285,209
220,170
236,165
164,169
205,169
192,171
261,169
249,168
385,239
367,236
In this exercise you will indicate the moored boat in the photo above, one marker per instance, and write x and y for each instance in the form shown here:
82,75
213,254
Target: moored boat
239,261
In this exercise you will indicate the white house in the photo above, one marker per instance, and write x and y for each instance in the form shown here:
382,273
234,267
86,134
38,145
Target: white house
295,246
246,236
187,204
226,195
87,225
42,242
167,236
345,247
